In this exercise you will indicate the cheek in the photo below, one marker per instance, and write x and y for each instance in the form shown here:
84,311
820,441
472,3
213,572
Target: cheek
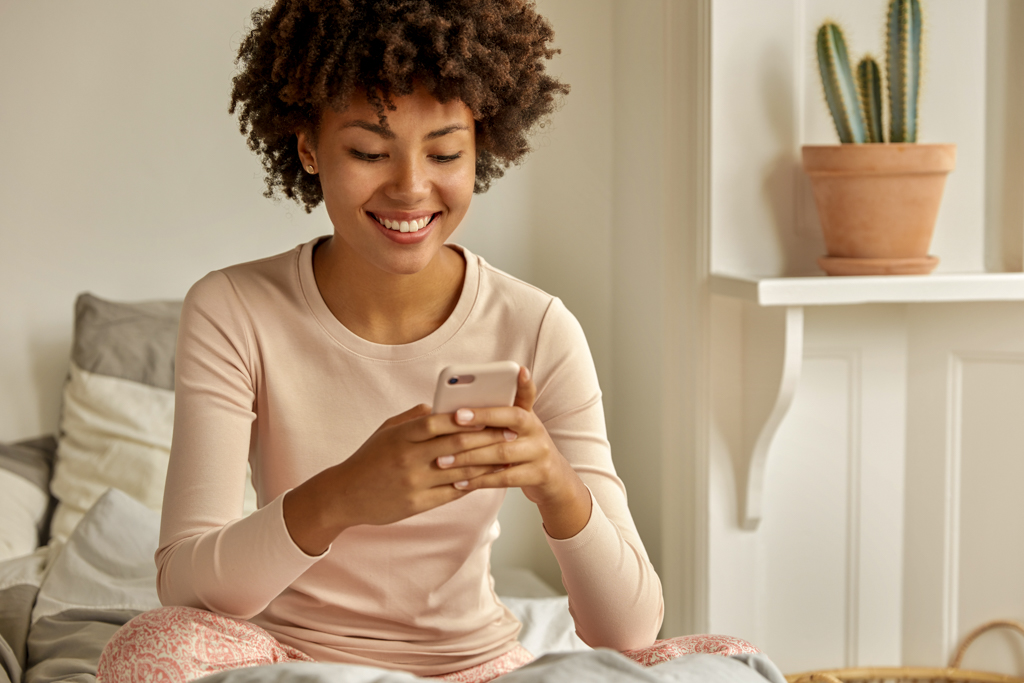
346,187
457,187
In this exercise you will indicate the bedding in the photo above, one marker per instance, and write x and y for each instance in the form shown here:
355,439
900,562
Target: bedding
25,469
596,666
60,606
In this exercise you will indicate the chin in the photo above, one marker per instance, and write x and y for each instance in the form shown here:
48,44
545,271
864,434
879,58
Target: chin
407,264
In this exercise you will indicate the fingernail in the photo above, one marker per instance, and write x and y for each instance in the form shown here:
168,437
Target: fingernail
461,484
510,435
464,415
526,372
445,460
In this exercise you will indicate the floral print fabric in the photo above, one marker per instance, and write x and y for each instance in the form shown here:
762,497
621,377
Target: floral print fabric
180,644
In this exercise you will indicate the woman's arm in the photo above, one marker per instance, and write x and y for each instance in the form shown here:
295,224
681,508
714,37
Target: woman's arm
209,556
561,459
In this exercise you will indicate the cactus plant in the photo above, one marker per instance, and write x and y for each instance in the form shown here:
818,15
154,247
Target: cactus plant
869,84
904,68
840,90
878,203
856,106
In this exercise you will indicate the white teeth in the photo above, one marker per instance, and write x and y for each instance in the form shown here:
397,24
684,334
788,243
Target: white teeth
405,226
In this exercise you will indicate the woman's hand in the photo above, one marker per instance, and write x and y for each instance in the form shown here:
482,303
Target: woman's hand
392,476
525,458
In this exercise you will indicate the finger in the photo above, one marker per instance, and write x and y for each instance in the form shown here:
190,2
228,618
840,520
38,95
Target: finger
429,426
440,495
445,448
506,453
411,414
509,417
504,478
526,393
458,474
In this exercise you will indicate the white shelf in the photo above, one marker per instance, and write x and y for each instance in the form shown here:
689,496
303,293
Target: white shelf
773,350
822,291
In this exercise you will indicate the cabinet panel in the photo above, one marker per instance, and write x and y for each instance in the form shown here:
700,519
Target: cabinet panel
991,524
965,416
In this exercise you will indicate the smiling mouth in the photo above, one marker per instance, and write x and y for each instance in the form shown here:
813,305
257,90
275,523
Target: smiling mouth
405,226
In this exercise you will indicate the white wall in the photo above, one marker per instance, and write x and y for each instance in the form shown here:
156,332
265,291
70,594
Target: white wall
123,174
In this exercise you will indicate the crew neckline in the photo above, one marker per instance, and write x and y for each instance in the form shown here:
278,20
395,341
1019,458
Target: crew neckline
387,352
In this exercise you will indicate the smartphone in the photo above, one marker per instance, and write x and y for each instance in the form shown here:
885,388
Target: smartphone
479,385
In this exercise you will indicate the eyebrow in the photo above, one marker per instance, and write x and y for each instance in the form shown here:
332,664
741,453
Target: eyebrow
388,134
441,132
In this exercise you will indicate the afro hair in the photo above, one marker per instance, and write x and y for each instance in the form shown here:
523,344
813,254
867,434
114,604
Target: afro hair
304,55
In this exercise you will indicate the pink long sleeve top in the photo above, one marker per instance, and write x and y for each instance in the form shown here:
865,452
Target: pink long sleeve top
266,375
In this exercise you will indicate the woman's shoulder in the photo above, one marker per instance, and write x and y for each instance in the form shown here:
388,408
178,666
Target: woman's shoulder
501,285
249,280
525,306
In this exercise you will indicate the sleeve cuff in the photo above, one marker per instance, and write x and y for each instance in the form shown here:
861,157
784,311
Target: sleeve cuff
288,546
586,534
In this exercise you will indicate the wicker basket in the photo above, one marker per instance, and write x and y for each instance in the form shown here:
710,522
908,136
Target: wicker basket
907,674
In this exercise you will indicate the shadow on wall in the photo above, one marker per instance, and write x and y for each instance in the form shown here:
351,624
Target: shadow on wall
785,189
49,353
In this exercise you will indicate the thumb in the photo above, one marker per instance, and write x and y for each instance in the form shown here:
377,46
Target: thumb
526,393
411,414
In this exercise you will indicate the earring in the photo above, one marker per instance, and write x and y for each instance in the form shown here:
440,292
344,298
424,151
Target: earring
310,168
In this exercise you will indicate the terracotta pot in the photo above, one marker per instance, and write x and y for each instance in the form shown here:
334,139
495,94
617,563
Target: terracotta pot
878,204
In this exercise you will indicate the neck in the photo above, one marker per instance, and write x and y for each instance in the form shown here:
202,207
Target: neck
383,307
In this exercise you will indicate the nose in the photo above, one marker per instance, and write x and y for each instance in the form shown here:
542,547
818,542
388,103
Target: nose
410,183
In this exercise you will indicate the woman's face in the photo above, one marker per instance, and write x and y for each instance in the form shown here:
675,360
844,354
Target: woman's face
395,195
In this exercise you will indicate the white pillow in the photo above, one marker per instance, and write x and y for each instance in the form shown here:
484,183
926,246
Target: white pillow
22,506
106,563
24,496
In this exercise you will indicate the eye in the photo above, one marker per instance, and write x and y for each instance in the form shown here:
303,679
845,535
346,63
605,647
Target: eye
365,156
445,158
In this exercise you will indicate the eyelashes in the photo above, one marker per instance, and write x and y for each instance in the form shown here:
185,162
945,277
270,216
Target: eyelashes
439,158
364,156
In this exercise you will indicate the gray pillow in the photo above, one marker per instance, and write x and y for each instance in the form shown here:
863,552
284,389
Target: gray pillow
133,341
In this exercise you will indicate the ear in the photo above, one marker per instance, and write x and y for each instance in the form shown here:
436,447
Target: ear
307,151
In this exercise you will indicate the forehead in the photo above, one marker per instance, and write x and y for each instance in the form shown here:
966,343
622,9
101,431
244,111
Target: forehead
413,115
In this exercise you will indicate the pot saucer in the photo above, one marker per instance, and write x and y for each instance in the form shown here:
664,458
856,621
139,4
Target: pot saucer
835,265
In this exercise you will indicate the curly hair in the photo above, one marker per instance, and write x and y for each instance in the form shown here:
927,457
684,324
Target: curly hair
304,55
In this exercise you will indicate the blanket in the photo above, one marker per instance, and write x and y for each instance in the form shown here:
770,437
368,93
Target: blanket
60,605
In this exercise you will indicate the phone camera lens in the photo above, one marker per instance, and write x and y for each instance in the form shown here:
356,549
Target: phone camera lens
453,380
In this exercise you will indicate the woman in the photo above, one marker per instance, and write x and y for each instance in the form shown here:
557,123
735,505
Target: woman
371,544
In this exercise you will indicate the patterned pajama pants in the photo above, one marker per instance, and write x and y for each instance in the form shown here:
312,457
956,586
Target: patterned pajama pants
179,644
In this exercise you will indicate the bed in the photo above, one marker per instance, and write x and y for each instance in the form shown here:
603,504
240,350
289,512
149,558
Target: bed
81,517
